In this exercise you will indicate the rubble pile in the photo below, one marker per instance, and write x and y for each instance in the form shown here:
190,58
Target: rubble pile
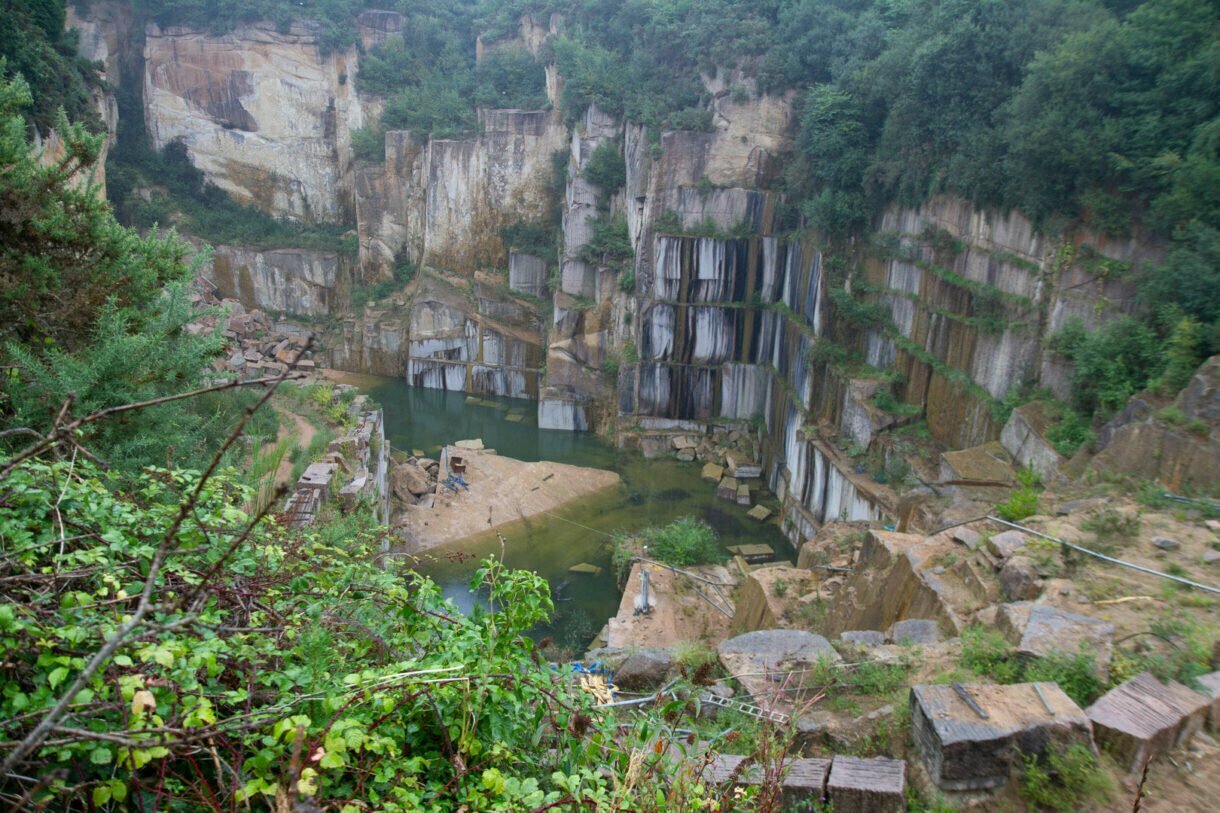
255,347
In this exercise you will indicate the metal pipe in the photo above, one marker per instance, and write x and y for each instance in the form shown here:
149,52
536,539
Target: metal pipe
1109,559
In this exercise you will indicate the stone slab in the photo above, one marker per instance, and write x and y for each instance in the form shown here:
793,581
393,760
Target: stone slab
759,512
867,785
963,751
1143,718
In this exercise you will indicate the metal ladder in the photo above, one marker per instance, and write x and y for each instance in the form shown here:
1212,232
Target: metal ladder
748,709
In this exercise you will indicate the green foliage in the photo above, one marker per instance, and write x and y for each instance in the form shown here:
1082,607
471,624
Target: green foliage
1065,779
200,208
685,541
536,239
333,19
988,655
1022,503
510,78
606,169
1111,364
292,635
610,245
368,144
35,46
63,258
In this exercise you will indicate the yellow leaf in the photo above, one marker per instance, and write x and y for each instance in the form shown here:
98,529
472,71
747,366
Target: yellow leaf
141,701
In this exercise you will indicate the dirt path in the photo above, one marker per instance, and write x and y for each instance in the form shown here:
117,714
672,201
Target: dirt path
292,425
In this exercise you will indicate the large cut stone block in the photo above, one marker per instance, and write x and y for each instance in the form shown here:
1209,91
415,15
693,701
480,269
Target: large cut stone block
867,785
757,656
1211,688
1143,718
803,781
963,751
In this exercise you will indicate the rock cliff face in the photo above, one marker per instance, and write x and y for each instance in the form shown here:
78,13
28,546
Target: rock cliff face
719,317
264,114
291,281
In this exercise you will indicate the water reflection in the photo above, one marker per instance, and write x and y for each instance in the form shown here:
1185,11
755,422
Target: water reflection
654,492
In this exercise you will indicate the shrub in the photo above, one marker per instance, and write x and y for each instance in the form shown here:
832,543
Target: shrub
1065,779
1023,503
606,168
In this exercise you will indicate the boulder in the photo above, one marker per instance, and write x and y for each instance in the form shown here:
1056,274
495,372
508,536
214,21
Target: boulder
1143,718
1038,630
755,656
643,669
1166,544
1019,579
914,631
965,536
686,455
409,481
866,638
1007,544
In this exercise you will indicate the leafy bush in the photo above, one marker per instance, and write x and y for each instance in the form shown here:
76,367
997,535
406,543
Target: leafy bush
1022,503
986,653
368,144
610,245
1065,779
607,169
685,541
510,78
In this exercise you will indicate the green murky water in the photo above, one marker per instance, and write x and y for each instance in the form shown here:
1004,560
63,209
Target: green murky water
653,492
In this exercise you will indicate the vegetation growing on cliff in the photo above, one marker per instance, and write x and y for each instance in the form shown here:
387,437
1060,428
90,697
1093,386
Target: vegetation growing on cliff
38,48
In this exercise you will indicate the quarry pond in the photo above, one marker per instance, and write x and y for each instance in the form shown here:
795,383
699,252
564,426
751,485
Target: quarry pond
652,492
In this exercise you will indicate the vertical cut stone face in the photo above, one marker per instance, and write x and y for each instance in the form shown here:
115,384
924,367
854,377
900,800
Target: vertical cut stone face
867,785
263,114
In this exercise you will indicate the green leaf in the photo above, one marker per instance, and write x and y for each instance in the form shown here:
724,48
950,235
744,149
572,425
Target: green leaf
101,756
57,676
101,795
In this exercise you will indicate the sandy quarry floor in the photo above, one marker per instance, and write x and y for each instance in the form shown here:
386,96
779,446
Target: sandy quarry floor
502,490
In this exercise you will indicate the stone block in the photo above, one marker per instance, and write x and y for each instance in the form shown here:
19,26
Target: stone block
867,785
727,490
1143,718
868,638
1038,630
743,494
755,656
965,536
804,779
712,473
963,751
759,512
1211,688
681,442
1006,544
742,467
1019,579
686,455
475,445
643,669
914,631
